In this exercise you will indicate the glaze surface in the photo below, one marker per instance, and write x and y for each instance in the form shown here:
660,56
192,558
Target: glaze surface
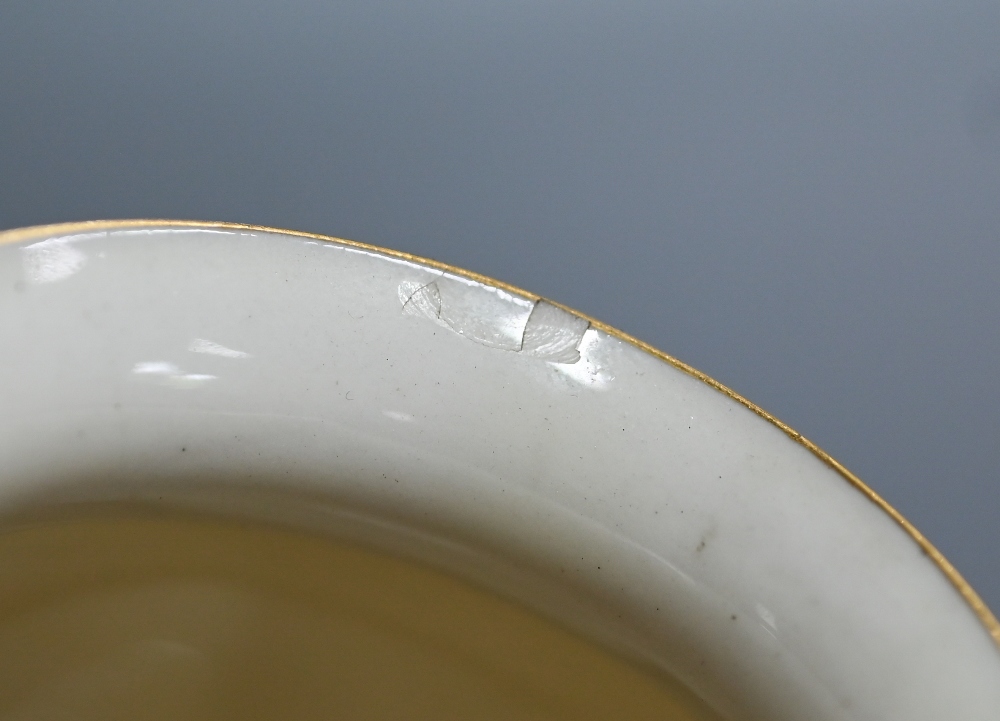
362,393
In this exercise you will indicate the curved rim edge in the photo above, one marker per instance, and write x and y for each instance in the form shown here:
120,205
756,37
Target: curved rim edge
975,603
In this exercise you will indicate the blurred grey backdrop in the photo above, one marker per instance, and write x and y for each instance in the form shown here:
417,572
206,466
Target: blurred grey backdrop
801,199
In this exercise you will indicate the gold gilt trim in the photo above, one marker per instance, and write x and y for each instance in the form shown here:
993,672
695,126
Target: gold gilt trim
977,605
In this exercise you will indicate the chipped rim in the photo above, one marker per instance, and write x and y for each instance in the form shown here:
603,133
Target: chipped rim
975,603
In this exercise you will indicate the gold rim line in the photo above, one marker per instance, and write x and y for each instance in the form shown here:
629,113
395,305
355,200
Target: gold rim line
970,596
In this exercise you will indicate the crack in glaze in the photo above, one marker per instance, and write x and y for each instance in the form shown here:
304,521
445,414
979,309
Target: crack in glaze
495,318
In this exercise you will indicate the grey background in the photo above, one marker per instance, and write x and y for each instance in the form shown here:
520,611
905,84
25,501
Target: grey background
800,199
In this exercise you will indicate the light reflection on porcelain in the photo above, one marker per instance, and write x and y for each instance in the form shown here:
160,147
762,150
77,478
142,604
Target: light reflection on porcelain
170,375
200,345
530,450
55,259
398,416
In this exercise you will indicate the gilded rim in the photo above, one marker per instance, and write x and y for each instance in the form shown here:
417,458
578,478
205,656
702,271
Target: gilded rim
977,605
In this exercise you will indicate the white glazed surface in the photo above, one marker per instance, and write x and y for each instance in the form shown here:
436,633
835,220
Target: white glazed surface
334,386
